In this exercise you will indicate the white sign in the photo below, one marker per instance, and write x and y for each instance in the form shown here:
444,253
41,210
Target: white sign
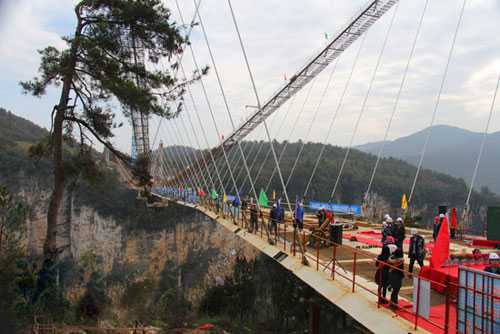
424,298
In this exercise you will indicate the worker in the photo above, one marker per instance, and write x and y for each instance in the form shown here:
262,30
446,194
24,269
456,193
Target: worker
274,216
417,250
494,264
386,227
399,232
321,215
299,216
396,274
236,207
438,221
453,223
382,273
254,226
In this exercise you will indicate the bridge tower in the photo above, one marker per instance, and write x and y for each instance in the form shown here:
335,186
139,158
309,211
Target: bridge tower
139,120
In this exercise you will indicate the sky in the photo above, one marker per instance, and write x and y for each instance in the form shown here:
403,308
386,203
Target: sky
280,36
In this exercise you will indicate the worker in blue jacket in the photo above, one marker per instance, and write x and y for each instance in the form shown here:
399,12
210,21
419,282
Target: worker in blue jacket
299,216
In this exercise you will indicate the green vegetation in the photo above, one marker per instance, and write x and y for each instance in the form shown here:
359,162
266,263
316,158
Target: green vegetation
99,64
393,178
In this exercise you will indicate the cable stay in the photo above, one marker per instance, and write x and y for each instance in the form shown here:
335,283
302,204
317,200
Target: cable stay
370,14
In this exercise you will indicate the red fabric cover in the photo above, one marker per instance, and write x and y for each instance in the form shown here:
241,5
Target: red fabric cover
485,243
441,251
443,275
206,327
436,317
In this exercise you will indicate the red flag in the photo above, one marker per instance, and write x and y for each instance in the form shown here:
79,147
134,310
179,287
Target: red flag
453,222
441,250
284,74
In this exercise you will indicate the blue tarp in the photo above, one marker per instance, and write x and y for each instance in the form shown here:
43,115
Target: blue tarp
342,208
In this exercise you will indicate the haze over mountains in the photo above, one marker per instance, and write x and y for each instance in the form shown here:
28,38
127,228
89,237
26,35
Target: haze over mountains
451,150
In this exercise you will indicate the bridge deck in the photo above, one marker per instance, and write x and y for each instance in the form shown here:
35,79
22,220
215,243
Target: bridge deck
351,287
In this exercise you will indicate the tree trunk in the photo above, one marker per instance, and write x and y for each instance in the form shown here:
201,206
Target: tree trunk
50,246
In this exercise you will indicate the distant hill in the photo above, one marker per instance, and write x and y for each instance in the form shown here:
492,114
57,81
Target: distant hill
393,178
451,150
107,195
17,130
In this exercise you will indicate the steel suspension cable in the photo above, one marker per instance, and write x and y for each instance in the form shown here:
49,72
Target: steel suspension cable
179,59
334,118
200,123
483,142
176,160
200,149
181,149
258,102
292,131
209,105
281,126
193,157
438,100
226,104
257,148
315,115
397,99
365,100
184,154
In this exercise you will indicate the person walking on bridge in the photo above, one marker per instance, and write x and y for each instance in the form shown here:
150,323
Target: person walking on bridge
321,215
386,228
299,216
399,232
396,275
417,250
254,226
274,217
438,222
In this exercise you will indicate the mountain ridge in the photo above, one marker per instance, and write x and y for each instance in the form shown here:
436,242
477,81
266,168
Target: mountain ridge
451,150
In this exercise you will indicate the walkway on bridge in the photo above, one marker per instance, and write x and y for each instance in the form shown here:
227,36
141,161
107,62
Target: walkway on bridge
343,274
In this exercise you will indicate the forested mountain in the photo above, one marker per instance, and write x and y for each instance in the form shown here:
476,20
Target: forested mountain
451,150
393,178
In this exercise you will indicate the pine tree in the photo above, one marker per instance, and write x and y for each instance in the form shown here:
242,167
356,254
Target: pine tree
98,67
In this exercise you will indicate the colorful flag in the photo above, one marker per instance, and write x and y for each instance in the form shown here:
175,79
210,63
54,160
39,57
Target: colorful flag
263,201
404,203
214,194
224,198
441,250
284,75
274,195
326,35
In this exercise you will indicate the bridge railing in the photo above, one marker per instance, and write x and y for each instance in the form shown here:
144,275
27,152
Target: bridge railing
357,268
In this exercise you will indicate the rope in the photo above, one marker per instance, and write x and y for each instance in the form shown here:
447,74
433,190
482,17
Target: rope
365,100
258,102
396,102
332,122
438,100
483,141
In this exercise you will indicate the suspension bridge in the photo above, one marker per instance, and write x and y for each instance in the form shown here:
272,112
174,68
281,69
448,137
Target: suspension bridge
226,181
